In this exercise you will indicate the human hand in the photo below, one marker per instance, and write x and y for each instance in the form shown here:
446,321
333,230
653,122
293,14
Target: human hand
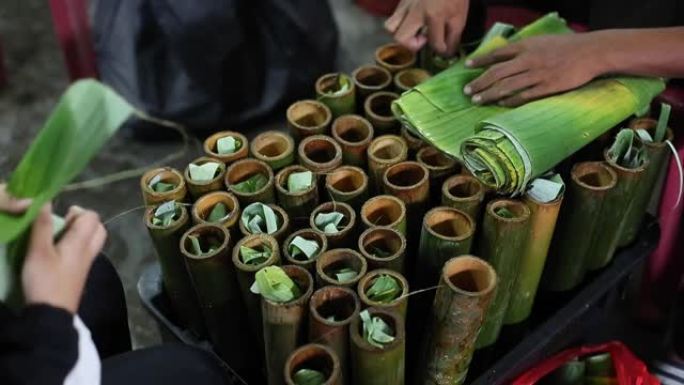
534,68
55,274
12,205
444,20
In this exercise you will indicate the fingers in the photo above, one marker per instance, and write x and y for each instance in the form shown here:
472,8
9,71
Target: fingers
74,211
82,238
407,33
12,205
506,87
397,17
454,30
498,55
41,233
494,74
531,94
436,28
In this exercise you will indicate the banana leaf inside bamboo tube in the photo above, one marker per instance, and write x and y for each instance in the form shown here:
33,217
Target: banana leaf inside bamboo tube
347,184
295,255
406,79
297,199
383,152
369,79
313,364
274,148
218,207
175,276
414,143
384,289
466,289
337,91
214,182
307,118
464,192
354,134
207,250
440,167
505,231
340,267
282,222
394,57
284,324
250,180
331,310
384,211
320,154
383,248
378,365
337,221
162,185
220,146
378,110
590,183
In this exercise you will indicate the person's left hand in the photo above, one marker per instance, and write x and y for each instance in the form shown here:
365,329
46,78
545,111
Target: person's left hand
534,68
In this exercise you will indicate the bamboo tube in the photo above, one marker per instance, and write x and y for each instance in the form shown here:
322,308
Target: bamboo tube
398,305
212,152
388,240
383,152
378,366
466,290
336,259
175,276
440,167
347,184
354,133
344,237
320,154
204,205
244,169
283,228
307,118
384,211
378,110
394,57
331,310
413,142
368,79
284,324
464,192
340,103
213,276
297,204
543,218
406,79
274,148
446,233
166,175
245,278
613,214
590,184
311,235
502,245
315,357
197,189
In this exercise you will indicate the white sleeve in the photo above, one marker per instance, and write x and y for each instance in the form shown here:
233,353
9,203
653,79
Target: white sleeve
87,370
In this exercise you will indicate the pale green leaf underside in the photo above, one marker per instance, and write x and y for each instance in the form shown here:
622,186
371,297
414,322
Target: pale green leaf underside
384,289
329,222
258,218
227,145
375,330
302,247
204,172
299,181
274,284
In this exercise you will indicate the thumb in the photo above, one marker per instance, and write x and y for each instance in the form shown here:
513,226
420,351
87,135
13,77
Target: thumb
41,232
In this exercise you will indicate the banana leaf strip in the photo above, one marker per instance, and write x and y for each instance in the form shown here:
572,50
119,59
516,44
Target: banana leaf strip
258,218
166,214
299,181
275,285
626,150
384,289
227,145
252,184
329,222
199,245
218,212
252,256
158,186
375,330
663,119
308,377
204,172
303,249
547,188
345,274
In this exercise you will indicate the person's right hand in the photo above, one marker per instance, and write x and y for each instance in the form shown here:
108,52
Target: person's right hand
55,274
444,20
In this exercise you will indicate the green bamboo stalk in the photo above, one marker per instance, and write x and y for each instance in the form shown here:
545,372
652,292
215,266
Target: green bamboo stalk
314,357
571,373
406,79
440,167
384,211
212,152
542,224
464,192
297,204
311,235
414,143
175,276
320,154
502,244
307,118
274,148
244,169
283,220
590,184
466,289
284,324
166,175
197,189
399,305
333,260
368,79
213,276
354,134
347,232
383,152
331,310
347,184
378,110
383,248
340,102
394,57
203,206
372,365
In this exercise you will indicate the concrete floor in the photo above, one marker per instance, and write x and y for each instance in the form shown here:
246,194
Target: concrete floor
38,77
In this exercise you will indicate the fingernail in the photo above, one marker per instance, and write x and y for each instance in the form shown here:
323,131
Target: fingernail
467,90
477,99
469,63
24,201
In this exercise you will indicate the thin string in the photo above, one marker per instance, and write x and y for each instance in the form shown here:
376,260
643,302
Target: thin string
679,169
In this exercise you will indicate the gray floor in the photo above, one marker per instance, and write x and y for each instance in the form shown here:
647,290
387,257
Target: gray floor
38,77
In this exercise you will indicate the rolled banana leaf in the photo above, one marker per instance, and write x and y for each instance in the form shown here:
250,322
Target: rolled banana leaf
398,304
242,180
338,92
240,147
162,185
297,201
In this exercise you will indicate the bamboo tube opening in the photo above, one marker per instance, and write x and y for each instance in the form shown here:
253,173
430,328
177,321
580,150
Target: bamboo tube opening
334,260
347,179
432,158
379,105
450,223
627,170
594,176
329,84
387,149
519,210
369,279
202,161
210,236
310,235
258,242
334,301
272,145
320,151
469,275
372,77
391,318
328,207
203,206
315,357
409,78
352,129
244,169
166,175
650,124
284,174
383,210
411,139
211,142
394,57
463,187
149,216
405,175
308,115
385,239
